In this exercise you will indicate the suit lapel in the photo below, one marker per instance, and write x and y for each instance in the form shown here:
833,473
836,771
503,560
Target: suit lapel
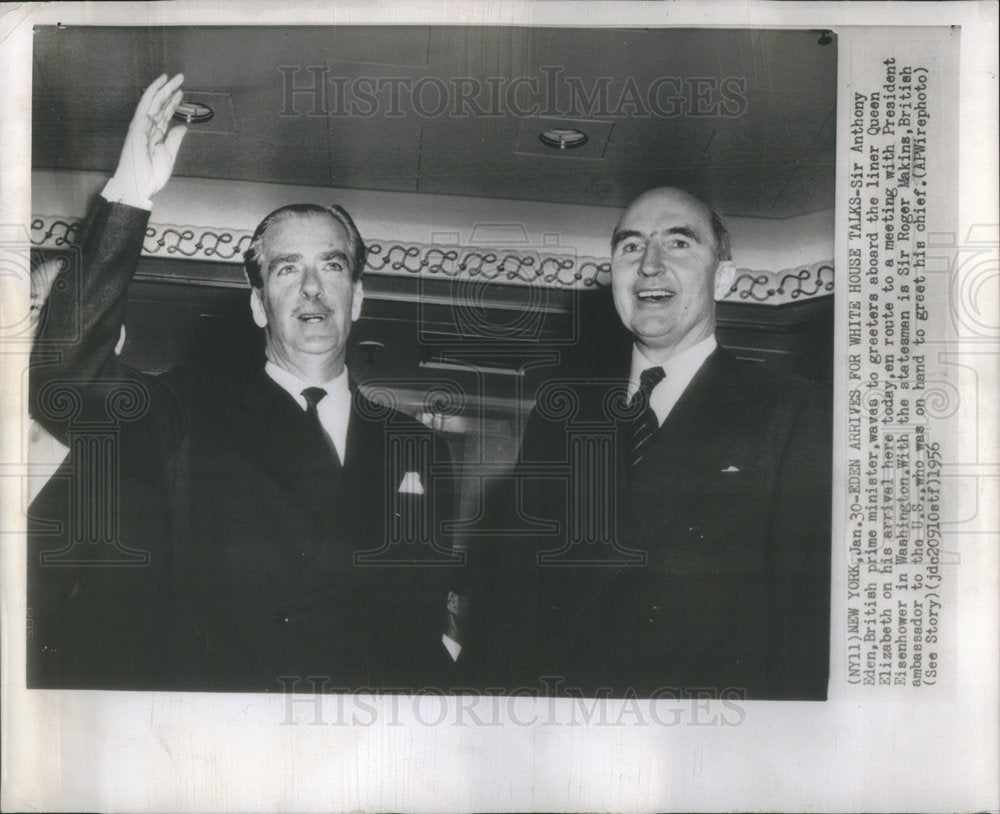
691,446
370,473
365,447
282,435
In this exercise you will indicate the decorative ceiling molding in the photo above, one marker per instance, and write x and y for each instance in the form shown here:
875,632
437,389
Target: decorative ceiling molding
779,287
523,266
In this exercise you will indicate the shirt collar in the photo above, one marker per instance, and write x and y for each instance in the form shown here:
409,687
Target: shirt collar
680,368
336,389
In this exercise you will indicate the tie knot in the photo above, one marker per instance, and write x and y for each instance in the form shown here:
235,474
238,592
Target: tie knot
313,396
649,378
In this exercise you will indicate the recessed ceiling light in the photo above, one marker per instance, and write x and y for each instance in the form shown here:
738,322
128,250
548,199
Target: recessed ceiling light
563,138
193,113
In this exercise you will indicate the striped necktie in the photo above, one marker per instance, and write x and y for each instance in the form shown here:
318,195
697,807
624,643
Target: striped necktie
646,423
313,396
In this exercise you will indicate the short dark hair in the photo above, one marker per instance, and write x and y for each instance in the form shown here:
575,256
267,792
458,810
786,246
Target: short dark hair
723,242
358,253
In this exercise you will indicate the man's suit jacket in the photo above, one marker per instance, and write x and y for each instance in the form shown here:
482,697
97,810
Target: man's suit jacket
722,538
271,564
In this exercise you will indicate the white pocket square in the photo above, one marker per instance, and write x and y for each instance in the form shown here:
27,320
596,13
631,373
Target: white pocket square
731,469
410,484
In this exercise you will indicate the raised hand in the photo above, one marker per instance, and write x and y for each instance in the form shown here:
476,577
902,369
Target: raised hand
151,145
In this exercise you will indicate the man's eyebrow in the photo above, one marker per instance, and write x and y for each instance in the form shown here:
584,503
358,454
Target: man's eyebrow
685,231
622,234
332,254
283,258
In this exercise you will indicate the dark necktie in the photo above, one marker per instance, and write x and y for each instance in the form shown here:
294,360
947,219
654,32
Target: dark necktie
646,423
313,396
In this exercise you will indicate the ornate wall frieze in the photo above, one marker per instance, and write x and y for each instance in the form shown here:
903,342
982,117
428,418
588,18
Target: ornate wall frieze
508,266
776,287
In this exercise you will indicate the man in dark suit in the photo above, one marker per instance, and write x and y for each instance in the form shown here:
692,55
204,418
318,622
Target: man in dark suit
301,518
687,495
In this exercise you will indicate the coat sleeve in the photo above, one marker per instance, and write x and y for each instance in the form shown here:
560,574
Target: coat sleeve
504,564
75,373
799,632
91,626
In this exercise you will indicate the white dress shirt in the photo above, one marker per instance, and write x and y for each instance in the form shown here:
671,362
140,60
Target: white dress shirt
334,409
680,370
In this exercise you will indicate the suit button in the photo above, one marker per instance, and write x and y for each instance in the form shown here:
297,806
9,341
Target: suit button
652,611
695,533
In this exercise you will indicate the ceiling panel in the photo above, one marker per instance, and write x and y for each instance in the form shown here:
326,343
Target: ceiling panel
817,171
752,166
743,117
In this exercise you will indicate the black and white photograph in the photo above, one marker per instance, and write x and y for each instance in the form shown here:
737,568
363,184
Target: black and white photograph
401,466
502,389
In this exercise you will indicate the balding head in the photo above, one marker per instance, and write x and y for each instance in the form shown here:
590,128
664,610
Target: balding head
723,242
669,260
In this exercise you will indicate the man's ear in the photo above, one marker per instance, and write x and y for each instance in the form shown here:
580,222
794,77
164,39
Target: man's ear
359,297
724,276
257,308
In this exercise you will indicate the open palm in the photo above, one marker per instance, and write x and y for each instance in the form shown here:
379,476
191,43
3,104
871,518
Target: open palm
151,146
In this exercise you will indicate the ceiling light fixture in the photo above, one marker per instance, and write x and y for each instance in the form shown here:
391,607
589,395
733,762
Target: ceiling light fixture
563,138
193,113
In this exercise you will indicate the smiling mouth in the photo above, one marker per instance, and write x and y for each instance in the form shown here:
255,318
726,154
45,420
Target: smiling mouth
313,317
654,295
